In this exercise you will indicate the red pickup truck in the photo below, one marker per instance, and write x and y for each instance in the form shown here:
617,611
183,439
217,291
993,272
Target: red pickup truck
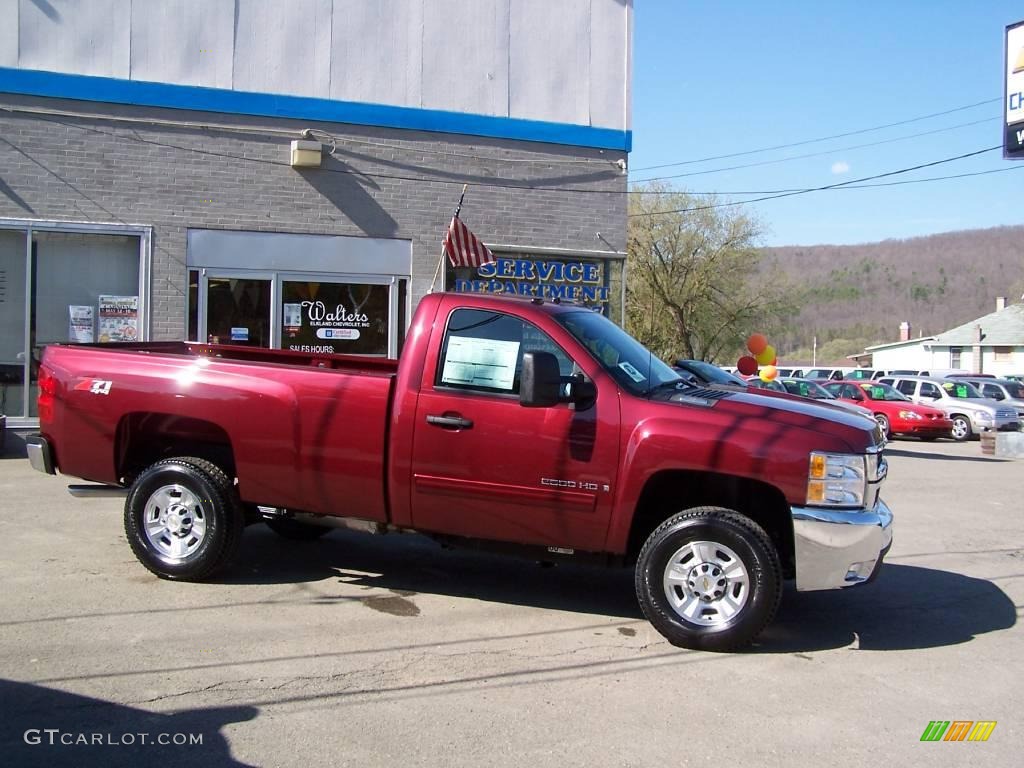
524,424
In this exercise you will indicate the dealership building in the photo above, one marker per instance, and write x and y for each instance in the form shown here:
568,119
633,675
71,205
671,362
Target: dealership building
217,169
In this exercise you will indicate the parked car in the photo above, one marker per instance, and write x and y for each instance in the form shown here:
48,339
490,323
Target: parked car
826,374
1005,391
791,372
863,374
519,424
961,401
815,391
706,374
774,385
893,411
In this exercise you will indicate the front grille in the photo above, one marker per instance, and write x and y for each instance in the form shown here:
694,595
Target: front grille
1006,413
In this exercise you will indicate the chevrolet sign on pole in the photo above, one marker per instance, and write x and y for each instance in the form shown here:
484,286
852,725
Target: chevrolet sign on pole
1013,139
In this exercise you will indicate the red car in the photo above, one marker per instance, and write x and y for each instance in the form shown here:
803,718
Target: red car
895,413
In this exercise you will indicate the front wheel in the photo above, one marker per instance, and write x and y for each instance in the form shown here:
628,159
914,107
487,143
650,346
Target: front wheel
961,428
883,422
183,519
709,579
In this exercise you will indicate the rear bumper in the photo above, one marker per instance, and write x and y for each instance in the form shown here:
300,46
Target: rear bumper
839,548
40,455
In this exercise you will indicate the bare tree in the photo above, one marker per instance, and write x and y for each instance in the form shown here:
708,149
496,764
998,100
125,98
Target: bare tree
695,285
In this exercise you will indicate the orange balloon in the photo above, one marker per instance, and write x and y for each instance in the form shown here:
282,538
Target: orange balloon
769,372
756,343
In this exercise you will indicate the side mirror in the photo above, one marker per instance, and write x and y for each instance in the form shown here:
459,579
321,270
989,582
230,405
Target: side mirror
540,385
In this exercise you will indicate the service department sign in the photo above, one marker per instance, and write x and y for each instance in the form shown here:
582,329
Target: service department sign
1013,139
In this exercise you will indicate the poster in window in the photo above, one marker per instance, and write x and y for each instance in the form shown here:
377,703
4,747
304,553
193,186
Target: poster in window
334,318
80,324
119,318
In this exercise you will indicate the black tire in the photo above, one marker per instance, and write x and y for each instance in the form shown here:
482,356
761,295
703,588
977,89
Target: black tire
200,495
728,530
883,422
288,528
962,431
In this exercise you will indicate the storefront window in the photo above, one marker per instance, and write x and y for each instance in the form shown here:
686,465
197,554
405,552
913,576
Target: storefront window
63,284
239,311
340,318
594,282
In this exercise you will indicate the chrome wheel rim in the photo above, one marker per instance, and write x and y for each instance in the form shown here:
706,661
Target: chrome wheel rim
706,583
883,422
175,522
959,428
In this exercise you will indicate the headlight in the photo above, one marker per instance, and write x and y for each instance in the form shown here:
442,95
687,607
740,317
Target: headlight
984,416
836,480
911,415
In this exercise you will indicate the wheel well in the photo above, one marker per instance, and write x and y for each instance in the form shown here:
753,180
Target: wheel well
667,493
145,438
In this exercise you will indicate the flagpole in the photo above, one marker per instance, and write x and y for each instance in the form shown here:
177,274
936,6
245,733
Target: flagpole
458,209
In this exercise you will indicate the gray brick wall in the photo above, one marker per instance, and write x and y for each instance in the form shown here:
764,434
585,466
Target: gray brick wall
177,177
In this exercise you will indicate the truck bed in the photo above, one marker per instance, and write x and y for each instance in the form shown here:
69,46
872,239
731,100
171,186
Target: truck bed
303,431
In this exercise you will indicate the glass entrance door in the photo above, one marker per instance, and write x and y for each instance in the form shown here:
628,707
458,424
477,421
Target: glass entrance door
237,309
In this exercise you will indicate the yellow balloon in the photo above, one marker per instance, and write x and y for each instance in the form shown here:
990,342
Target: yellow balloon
765,356
769,372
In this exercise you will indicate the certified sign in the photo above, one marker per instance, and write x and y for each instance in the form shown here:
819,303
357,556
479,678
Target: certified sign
1013,145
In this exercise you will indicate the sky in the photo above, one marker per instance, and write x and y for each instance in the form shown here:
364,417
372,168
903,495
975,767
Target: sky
715,78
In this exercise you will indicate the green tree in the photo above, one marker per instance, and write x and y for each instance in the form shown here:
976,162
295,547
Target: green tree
696,287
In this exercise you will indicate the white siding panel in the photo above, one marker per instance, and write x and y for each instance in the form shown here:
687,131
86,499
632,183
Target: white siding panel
609,62
8,33
549,60
85,38
283,47
188,42
465,56
377,51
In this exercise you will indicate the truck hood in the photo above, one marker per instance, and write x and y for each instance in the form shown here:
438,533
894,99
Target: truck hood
860,432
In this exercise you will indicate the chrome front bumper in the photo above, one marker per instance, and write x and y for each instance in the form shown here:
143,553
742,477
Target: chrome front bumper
39,454
839,548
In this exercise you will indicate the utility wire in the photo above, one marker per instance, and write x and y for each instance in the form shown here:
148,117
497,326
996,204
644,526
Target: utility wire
821,138
489,184
817,189
811,154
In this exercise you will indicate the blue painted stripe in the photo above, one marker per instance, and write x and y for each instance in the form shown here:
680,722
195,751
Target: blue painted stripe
113,90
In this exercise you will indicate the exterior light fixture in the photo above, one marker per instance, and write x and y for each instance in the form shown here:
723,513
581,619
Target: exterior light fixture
306,154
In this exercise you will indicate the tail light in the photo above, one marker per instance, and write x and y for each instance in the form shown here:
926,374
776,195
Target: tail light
47,394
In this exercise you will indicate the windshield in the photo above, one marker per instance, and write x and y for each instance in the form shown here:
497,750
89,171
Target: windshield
883,392
1014,390
807,389
861,374
960,389
628,361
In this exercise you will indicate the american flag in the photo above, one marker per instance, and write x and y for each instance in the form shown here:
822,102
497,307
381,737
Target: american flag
463,247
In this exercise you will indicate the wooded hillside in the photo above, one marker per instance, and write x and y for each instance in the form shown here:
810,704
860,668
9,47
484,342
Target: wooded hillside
853,296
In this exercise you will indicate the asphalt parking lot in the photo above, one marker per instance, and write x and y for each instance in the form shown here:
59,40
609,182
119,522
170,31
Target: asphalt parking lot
380,651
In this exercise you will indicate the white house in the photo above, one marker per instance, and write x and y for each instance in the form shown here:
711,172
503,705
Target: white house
991,344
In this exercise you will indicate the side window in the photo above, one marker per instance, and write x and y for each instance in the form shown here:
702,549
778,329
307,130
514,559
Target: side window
991,390
930,391
483,351
906,387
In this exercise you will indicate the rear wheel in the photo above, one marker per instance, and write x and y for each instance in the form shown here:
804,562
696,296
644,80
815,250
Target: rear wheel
183,519
961,428
709,579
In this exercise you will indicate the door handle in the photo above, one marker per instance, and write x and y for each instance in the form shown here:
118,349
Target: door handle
450,422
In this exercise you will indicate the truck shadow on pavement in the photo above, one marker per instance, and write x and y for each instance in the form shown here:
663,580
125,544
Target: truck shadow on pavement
907,607
940,456
84,731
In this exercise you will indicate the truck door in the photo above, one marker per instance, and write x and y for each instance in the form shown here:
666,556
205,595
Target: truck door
484,466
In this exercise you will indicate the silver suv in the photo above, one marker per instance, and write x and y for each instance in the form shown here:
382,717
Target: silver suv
961,401
1005,391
